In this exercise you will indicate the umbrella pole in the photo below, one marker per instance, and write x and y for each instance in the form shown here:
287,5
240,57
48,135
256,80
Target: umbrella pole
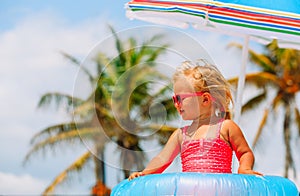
240,90
241,81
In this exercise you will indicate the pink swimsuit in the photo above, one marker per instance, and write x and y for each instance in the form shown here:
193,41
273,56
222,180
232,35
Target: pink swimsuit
205,155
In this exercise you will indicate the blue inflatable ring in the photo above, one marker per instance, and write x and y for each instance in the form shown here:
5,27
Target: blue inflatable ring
185,183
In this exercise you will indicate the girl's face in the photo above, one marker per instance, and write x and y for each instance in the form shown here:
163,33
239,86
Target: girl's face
190,103
187,102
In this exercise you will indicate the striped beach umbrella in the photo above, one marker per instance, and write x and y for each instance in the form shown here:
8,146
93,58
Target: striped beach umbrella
255,19
273,19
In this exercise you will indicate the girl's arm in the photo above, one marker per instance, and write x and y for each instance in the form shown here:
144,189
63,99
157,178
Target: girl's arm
241,149
161,161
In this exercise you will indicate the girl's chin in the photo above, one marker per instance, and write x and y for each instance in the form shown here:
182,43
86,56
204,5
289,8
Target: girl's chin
185,117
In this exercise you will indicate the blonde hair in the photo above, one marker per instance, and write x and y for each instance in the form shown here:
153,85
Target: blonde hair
207,78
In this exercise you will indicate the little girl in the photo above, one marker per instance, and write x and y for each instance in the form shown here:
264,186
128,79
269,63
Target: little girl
203,96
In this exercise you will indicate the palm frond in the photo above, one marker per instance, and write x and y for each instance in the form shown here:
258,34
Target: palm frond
262,79
263,62
53,130
154,38
74,167
148,51
277,100
119,46
59,99
254,102
154,55
66,137
260,128
102,62
258,79
77,63
87,109
297,118
131,53
233,80
166,89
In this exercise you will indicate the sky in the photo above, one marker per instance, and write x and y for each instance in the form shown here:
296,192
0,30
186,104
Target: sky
32,35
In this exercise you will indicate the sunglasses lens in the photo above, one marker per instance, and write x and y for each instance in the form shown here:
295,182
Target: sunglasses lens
176,99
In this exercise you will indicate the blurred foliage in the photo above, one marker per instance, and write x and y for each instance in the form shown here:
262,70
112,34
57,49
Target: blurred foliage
125,103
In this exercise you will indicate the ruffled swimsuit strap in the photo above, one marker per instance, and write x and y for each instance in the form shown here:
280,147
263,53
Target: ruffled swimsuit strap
219,128
184,129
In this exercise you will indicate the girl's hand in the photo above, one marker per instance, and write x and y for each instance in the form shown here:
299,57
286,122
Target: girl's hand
249,171
135,175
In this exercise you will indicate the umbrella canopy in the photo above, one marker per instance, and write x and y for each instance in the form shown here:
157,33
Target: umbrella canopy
275,19
260,20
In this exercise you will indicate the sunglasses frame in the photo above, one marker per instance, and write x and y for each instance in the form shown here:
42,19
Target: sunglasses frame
178,99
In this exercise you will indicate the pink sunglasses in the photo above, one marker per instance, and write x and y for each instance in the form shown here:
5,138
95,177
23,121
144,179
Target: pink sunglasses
177,99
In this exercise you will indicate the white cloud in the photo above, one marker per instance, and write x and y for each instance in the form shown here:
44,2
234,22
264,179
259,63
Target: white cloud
20,184
30,67
31,64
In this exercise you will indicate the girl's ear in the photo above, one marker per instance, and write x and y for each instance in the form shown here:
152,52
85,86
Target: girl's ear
206,98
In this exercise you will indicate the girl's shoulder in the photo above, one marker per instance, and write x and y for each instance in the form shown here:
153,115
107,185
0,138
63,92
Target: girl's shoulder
227,126
228,123
179,133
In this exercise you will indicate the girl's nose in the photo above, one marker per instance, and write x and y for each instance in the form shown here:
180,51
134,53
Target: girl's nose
177,106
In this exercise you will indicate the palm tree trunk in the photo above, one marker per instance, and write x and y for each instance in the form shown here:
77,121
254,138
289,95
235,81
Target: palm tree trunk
287,138
100,189
99,167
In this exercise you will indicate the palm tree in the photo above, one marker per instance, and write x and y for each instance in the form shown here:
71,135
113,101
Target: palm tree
104,117
280,73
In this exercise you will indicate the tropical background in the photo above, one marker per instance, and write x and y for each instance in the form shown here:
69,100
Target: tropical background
64,56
